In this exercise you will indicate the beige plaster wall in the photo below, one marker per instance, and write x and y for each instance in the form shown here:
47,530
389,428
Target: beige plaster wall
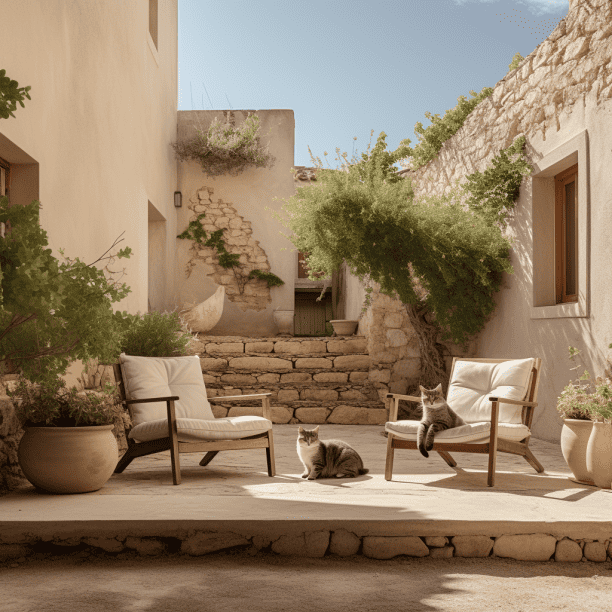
248,195
560,98
93,143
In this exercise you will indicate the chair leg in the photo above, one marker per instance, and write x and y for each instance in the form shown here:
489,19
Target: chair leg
270,455
127,458
533,462
208,457
176,462
389,461
448,458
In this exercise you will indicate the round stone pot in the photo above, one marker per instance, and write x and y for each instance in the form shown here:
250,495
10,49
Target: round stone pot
575,436
68,459
284,322
344,327
599,455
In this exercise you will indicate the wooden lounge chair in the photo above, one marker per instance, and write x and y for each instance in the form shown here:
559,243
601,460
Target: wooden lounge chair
167,400
495,397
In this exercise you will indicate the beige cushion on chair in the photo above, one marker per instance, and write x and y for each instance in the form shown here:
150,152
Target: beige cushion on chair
146,377
472,432
474,382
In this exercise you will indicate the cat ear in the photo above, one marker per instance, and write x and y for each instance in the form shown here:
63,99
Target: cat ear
301,429
423,389
316,429
439,388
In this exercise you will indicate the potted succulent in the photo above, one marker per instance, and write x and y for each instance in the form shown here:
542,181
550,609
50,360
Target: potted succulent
582,403
68,444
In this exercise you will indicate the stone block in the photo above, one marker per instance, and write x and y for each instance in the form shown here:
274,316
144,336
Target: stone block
310,544
595,551
288,395
395,338
281,414
219,412
393,320
344,543
107,544
352,395
387,547
331,377
472,546
568,551
446,552
13,551
306,347
225,347
358,377
316,542
387,356
259,347
236,411
145,546
575,50
209,379
261,364
380,376
212,364
268,378
260,542
436,541
320,395
352,362
399,386
239,379
358,345
296,377
203,543
311,415
406,369
350,415
319,363
532,547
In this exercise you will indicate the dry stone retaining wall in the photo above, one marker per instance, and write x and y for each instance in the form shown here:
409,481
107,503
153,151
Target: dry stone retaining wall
340,542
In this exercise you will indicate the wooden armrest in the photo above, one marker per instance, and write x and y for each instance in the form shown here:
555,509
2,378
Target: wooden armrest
504,400
410,398
151,399
240,397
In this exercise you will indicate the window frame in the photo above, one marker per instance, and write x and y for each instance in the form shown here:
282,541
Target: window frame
564,178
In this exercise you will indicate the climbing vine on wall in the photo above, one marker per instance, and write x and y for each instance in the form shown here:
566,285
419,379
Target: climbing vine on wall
227,260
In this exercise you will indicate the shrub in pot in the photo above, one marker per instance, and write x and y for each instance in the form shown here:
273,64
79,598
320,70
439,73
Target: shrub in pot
599,447
68,444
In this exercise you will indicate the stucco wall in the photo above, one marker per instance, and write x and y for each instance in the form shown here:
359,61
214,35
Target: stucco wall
93,142
244,198
560,98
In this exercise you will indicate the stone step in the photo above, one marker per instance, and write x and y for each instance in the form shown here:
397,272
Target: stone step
239,364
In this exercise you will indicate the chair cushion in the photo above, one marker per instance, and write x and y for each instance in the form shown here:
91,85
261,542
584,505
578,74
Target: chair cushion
472,432
473,382
162,377
196,430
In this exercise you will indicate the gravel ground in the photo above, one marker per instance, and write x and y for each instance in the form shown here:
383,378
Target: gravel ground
234,581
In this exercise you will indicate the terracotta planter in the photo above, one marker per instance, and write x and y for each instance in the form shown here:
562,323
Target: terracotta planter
343,327
575,436
599,455
68,459
284,322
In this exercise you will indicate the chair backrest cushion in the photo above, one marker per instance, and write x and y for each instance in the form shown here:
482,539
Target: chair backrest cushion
162,377
473,382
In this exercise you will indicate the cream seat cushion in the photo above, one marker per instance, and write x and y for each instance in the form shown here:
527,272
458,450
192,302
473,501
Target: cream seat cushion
146,377
471,432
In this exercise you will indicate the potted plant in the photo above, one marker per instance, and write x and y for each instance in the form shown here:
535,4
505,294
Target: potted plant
578,405
68,444
599,447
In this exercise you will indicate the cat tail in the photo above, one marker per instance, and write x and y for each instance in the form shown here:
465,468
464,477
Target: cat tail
363,471
421,433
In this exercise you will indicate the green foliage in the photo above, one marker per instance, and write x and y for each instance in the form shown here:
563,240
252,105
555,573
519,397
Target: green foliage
227,260
52,313
492,193
225,148
10,94
431,252
271,279
516,60
153,334
52,404
441,129
584,398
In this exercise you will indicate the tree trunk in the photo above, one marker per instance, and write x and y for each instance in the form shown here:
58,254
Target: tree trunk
433,370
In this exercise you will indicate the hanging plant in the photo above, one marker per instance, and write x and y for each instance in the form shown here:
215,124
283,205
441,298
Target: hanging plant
225,148
10,94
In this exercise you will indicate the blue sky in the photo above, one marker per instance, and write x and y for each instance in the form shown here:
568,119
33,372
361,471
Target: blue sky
346,67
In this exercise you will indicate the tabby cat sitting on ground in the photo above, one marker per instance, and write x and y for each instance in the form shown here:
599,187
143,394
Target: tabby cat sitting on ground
329,458
437,416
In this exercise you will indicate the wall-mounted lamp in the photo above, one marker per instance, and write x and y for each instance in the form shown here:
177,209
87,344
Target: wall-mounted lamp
178,199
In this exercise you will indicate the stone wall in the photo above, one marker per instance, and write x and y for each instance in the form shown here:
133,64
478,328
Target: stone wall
10,435
251,294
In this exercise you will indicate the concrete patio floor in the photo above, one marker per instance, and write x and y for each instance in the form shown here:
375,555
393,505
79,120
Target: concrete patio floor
234,493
